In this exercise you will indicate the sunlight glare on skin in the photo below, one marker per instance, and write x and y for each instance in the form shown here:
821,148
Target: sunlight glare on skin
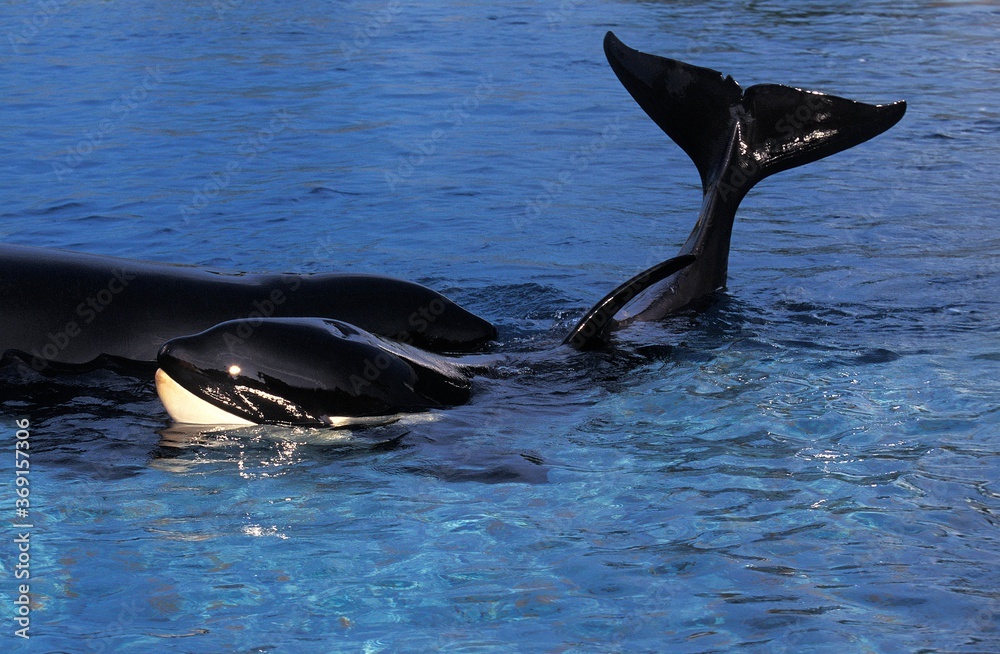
185,407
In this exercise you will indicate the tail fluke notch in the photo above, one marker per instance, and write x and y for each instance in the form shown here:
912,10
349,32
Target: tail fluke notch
737,138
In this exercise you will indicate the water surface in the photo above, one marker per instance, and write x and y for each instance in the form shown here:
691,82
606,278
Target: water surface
810,465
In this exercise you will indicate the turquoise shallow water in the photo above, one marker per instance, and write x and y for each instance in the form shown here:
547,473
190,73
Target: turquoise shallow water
810,465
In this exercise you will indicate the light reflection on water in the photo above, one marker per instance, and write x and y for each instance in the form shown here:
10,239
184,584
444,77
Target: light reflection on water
809,465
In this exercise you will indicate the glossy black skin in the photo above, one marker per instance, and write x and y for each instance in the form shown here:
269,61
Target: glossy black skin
735,138
64,309
592,330
56,313
303,371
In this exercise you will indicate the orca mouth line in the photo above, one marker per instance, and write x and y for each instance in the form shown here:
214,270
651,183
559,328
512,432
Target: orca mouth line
190,396
302,371
185,407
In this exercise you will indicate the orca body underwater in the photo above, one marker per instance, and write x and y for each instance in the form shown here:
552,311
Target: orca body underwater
65,310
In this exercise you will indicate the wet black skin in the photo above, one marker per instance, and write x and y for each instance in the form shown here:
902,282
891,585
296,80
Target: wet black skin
65,309
304,371
736,138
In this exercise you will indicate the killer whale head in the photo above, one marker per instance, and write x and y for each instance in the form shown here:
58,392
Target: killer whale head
300,371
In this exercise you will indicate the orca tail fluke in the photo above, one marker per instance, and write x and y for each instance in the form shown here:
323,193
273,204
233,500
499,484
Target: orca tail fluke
737,137
593,329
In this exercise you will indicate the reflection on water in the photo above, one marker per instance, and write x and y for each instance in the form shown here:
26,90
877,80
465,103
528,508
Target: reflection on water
810,463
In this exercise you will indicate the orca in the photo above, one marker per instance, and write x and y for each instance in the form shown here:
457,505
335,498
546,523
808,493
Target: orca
301,371
735,138
66,310
324,372
323,349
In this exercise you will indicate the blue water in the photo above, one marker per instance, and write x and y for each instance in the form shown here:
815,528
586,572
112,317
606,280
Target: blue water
810,465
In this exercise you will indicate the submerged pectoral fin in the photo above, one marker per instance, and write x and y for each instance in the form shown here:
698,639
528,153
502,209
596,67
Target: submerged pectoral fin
592,330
